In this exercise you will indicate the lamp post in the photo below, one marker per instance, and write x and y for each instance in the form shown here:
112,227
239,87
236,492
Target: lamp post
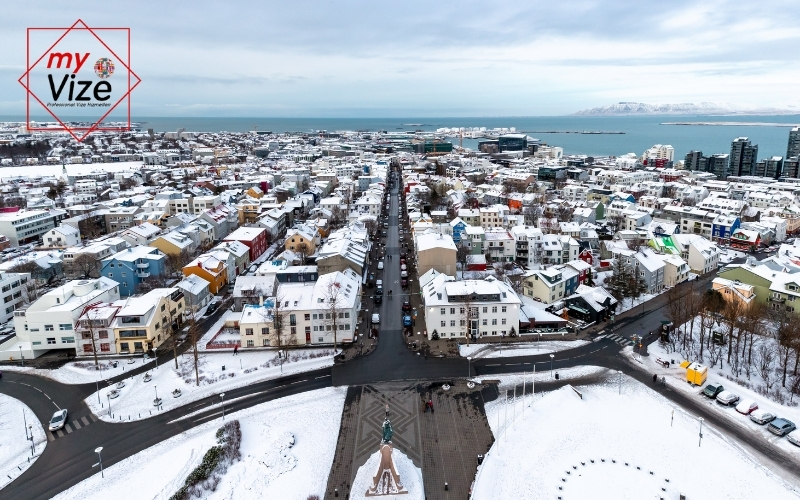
619,379
469,368
108,397
539,342
25,423
551,364
156,401
97,387
30,428
21,357
700,442
99,460
222,398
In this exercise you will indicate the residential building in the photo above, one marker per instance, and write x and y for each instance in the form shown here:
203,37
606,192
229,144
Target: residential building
93,330
15,292
120,218
676,270
744,156
239,258
591,304
142,234
132,266
174,243
733,290
487,307
254,238
793,147
85,262
544,285
145,322
27,226
435,251
209,268
48,323
195,291
61,237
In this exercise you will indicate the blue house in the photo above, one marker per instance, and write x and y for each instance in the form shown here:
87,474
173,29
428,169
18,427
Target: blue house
133,265
458,226
723,227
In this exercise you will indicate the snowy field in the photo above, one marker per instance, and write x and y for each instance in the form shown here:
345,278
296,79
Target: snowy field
508,382
15,449
627,436
287,451
628,304
477,351
81,372
410,475
136,398
676,377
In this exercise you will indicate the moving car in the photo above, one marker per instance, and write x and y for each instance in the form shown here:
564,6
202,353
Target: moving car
712,390
762,417
58,421
781,426
746,406
727,398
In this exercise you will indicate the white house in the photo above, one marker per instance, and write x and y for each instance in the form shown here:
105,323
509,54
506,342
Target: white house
61,237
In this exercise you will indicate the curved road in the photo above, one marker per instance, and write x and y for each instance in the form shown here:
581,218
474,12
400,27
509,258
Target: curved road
68,459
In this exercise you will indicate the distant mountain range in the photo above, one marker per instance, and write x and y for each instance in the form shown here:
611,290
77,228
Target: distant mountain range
686,108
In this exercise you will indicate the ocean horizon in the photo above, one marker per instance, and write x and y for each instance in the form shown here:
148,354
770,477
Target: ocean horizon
637,132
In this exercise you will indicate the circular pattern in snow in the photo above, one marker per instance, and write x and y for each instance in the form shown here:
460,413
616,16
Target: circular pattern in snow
616,479
410,475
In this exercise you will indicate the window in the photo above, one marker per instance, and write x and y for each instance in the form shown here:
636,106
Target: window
265,342
484,322
248,331
105,347
503,309
293,330
320,339
442,311
307,317
443,323
485,309
452,310
124,274
51,340
48,328
265,331
65,327
452,322
250,343
503,321
494,321
494,309
163,307
314,316
87,348
103,334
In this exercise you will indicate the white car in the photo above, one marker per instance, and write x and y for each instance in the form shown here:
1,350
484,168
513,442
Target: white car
376,319
380,265
58,421
746,406
727,398
794,437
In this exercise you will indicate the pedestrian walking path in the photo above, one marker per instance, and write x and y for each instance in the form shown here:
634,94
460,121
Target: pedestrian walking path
71,426
619,339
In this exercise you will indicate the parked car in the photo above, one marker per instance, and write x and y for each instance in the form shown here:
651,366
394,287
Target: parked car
727,398
380,265
211,308
403,267
404,283
377,299
746,406
406,305
794,437
379,283
712,390
762,417
58,421
379,290
781,426
383,233
406,320
376,319
404,274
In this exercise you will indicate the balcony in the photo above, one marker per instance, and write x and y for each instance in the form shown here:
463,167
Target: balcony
144,265
776,299
142,274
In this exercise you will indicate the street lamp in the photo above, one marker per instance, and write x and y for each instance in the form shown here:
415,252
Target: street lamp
21,357
155,355
469,369
700,442
551,364
108,396
30,428
222,398
156,401
619,379
99,460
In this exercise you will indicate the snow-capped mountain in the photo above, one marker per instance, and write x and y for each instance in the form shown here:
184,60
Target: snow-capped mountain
687,108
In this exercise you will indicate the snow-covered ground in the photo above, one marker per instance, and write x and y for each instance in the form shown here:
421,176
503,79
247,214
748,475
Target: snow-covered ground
410,475
676,377
521,349
81,372
508,382
531,461
287,451
627,303
15,449
728,255
136,398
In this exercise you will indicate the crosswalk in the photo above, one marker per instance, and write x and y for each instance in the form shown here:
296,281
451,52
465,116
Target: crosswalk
70,427
620,339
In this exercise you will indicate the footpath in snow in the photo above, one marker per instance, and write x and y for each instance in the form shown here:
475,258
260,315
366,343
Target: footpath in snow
287,451
477,351
16,455
611,446
219,372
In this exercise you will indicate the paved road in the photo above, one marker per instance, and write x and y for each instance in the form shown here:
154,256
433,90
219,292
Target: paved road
67,459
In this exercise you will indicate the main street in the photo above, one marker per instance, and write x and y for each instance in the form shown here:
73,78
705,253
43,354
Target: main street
68,460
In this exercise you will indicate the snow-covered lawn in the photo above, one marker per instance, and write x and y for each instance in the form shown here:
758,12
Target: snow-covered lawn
676,377
728,255
521,349
628,303
627,436
508,382
287,451
136,398
81,372
410,476
15,449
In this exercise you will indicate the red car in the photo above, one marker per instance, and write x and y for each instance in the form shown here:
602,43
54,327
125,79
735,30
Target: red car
404,283
406,305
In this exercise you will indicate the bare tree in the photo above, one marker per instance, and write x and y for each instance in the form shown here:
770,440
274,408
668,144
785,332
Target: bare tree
89,330
469,313
765,357
280,316
787,334
302,250
193,331
333,297
84,265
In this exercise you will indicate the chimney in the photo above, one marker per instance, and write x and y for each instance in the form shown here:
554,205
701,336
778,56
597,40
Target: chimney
261,300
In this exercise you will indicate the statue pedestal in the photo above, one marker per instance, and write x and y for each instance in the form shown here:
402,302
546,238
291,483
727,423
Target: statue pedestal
386,481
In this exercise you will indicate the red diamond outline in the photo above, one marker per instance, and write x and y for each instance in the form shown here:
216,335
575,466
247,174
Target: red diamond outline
96,126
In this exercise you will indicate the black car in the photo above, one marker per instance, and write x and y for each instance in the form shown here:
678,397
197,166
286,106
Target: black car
377,299
379,291
212,307
406,305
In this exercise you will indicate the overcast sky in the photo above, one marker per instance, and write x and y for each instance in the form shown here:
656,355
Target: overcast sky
427,58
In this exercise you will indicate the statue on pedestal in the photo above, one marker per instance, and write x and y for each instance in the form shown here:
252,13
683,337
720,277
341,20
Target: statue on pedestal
386,481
